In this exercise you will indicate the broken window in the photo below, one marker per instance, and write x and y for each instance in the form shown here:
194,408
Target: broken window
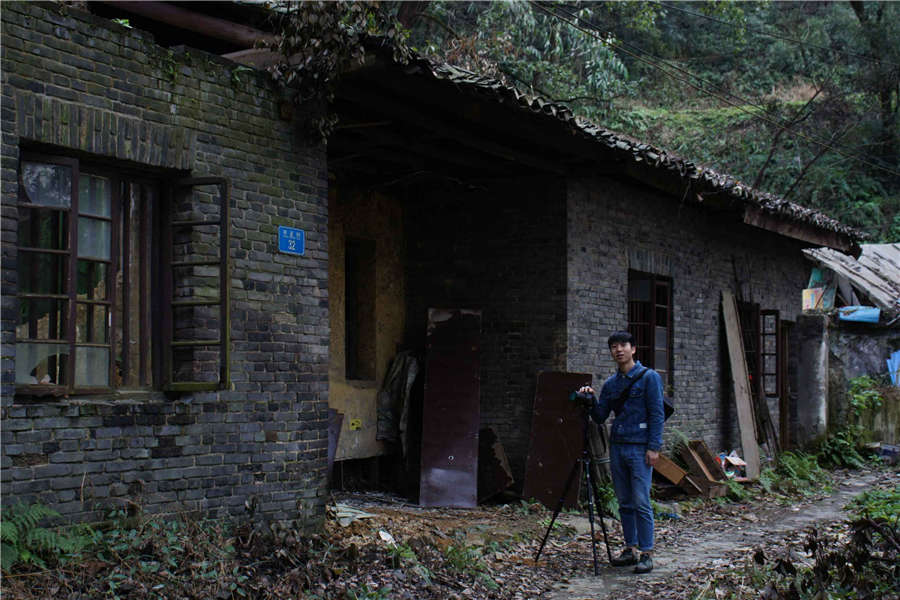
770,338
359,307
89,304
650,322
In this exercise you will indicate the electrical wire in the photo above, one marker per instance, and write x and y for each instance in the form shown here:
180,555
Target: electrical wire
774,35
593,31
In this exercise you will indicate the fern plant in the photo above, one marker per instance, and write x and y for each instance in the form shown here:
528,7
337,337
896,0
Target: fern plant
23,540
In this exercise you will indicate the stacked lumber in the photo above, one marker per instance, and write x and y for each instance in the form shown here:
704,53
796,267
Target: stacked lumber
704,476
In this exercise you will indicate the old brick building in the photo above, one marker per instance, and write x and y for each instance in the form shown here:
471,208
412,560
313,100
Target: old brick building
161,347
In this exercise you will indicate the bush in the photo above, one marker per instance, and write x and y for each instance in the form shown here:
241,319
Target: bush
843,448
795,473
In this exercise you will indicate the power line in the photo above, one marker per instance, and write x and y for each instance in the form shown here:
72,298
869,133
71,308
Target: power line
774,35
594,32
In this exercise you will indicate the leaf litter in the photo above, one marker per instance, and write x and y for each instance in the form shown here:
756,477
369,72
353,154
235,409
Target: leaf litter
375,546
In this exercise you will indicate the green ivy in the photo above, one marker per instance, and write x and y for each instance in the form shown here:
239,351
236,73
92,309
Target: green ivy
843,448
864,395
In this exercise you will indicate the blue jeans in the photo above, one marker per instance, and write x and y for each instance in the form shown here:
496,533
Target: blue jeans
631,479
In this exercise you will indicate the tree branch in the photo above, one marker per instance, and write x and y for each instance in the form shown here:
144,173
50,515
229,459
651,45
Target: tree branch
798,118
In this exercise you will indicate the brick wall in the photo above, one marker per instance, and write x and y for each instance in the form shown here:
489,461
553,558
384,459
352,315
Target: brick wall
615,226
502,251
76,83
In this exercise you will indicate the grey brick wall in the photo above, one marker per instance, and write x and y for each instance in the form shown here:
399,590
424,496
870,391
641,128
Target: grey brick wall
615,226
77,83
501,250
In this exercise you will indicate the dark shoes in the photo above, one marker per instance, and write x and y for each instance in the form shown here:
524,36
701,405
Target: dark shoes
626,559
645,565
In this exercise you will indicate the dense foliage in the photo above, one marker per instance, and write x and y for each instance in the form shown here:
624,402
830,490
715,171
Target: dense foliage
798,99
318,41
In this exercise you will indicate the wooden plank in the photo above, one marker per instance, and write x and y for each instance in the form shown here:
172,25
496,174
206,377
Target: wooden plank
712,465
746,420
690,486
696,466
668,469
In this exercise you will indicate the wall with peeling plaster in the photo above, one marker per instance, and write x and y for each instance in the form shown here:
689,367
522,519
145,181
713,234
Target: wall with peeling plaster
855,350
377,217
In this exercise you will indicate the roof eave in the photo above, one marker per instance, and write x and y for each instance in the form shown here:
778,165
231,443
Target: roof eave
802,231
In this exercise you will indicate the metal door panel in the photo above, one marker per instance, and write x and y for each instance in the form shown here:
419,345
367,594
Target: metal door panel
556,438
451,412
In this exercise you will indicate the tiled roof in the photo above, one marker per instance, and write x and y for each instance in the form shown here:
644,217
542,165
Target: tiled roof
704,179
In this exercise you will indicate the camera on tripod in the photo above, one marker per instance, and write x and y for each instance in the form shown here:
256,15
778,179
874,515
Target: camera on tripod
585,399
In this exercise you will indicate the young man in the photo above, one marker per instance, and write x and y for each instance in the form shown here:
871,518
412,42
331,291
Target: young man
634,446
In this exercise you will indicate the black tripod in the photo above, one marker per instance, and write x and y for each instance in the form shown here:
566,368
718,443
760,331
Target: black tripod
585,462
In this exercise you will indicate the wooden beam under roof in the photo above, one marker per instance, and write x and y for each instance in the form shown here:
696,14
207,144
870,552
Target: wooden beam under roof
391,106
541,134
805,232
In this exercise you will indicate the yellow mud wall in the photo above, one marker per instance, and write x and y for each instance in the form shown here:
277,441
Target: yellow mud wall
370,216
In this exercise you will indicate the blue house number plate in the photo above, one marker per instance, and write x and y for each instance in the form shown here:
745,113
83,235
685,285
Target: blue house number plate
290,240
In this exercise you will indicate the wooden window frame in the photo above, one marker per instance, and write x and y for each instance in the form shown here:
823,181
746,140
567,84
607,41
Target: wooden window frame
650,359
154,278
71,285
180,189
777,334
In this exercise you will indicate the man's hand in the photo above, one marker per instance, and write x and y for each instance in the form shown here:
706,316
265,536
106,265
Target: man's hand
651,458
586,390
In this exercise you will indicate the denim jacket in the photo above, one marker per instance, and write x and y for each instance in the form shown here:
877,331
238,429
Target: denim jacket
641,421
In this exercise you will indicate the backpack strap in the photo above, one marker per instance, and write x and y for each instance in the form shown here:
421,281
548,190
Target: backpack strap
619,403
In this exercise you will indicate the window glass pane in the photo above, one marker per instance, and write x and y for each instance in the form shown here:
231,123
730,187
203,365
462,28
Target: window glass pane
639,312
639,289
48,185
94,196
662,338
662,294
91,367
43,228
42,319
661,358
91,324
770,382
92,280
770,363
94,238
41,363
41,273
662,316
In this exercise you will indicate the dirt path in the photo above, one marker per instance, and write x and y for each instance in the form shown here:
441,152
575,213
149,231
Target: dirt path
689,550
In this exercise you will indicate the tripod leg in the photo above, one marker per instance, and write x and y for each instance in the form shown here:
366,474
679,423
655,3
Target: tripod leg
590,502
602,523
559,504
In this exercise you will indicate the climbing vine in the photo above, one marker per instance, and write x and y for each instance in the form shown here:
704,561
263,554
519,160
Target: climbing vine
317,41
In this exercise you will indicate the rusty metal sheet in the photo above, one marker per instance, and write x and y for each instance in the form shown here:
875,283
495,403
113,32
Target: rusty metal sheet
557,436
451,412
